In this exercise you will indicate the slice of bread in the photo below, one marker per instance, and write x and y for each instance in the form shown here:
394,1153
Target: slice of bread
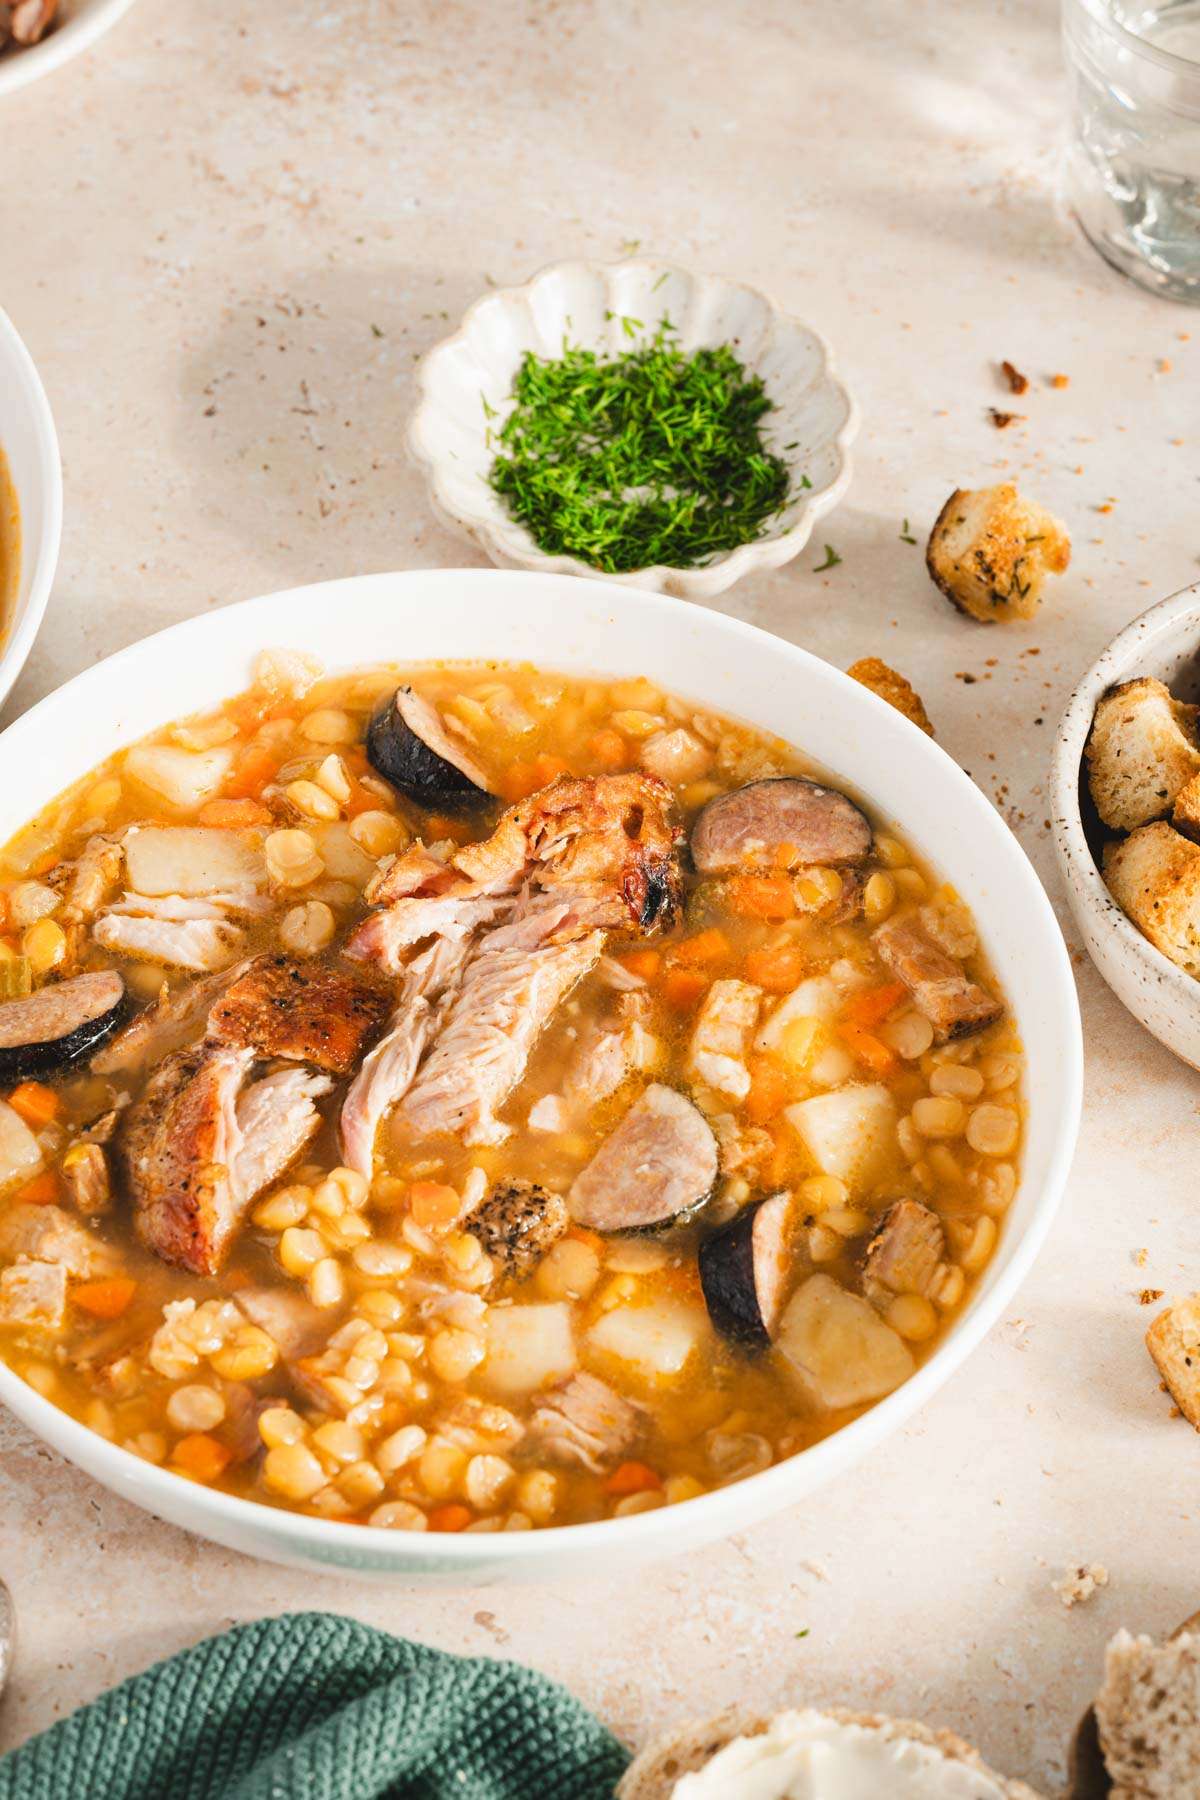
990,552
1148,1714
872,672
688,1749
1173,1341
1154,877
1141,754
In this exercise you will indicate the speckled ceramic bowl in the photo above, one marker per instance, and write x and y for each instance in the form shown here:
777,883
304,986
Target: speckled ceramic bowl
465,386
1164,642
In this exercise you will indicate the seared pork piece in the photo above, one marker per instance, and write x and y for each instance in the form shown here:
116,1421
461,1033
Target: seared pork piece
409,745
479,1427
48,1234
300,1011
517,1222
291,1321
413,871
744,1270
33,1294
196,1148
200,945
903,1253
721,1039
168,1025
384,937
85,1172
659,1162
752,827
955,1005
584,1422
59,1024
90,879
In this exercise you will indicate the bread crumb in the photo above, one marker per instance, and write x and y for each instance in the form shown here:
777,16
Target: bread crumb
1017,383
871,672
1002,420
1139,1257
1060,381
1148,1296
1078,1583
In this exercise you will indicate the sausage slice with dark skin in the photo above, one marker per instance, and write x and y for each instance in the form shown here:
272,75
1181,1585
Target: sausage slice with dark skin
745,829
408,745
658,1163
60,1024
744,1271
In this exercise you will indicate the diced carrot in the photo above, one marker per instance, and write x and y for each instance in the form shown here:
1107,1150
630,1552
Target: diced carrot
233,815
609,749
259,765
579,1234
871,1006
451,1517
355,759
434,1205
706,947
633,1478
105,1299
870,1050
645,963
548,768
779,970
36,1103
772,1086
361,799
761,896
43,1190
786,856
517,782
201,1456
682,988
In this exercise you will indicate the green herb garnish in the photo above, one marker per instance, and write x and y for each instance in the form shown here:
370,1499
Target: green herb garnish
652,456
832,559
906,536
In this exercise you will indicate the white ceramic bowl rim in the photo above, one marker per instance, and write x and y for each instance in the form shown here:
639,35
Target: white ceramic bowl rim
94,694
1118,662
39,555
720,572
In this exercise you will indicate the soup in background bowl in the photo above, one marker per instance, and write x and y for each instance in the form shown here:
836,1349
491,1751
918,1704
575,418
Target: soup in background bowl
480,1098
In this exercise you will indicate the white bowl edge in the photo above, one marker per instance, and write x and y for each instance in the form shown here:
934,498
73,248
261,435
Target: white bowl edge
30,446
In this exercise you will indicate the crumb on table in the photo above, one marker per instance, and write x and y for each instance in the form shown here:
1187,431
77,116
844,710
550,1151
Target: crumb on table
1079,1582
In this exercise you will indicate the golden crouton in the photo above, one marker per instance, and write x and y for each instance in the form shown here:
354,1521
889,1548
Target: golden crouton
990,552
893,687
1154,877
1141,753
1185,814
1173,1340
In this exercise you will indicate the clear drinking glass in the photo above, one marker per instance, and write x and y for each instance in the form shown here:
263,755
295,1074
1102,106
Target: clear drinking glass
1133,161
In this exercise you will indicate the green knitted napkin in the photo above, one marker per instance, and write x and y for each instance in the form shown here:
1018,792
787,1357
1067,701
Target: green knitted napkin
321,1708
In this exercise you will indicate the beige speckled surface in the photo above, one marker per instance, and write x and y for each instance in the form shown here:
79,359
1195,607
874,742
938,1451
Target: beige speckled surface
200,223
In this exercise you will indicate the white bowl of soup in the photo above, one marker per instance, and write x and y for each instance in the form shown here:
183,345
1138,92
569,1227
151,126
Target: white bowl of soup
30,504
672,1061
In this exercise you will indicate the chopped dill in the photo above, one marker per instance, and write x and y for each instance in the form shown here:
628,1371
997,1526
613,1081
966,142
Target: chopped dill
832,559
906,536
651,456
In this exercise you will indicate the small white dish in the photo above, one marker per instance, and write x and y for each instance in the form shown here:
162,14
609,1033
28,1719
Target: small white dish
589,628
1163,642
86,21
30,446
585,303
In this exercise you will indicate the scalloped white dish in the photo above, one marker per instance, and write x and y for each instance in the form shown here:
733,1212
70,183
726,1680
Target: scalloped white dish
452,430
86,21
29,446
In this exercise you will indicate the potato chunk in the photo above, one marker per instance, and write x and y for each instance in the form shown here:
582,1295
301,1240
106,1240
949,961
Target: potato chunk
1173,1341
847,1133
529,1347
33,1294
839,1346
1141,754
990,552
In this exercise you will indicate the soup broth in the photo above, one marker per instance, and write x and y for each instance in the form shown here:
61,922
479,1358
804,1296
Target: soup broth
510,1309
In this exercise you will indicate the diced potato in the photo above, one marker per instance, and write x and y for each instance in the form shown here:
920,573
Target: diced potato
20,1152
529,1347
183,778
839,1346
33,1293
657,1340
344,859
849,1132
190,859
816,998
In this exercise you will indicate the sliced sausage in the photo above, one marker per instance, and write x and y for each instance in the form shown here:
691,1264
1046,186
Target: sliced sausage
744,1271
59,1024
408,745
659,1162
516,1224
746,828
955,1005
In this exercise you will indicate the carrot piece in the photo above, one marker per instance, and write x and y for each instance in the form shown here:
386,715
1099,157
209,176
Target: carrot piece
646,963
706,947
249,710
105,1299
233,815
870,1050
761,896
548,768
43,1190
609,749
36,1103
517,782
259,765
772,1086
201,1457
361,799
633,1478
872,1006
434,1205
451,1517
682,988
778,971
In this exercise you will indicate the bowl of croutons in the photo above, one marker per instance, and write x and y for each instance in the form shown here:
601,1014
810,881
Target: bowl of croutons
1126,792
